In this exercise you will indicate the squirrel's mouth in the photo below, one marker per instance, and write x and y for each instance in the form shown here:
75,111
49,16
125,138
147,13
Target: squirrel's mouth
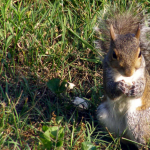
127,72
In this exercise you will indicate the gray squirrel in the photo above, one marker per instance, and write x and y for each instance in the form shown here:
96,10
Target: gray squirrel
126,107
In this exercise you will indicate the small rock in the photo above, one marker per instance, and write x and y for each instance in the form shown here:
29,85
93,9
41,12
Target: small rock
81,103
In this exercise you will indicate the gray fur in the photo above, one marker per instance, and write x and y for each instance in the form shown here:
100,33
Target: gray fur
120,112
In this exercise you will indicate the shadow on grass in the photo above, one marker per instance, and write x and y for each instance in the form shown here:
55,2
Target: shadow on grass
28,105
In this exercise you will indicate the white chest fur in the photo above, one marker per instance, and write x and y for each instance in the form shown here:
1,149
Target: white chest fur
113,113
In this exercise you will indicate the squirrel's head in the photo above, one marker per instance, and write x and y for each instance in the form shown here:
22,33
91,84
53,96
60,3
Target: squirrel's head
124,54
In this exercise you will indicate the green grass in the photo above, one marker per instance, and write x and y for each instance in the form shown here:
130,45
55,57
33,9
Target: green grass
42,40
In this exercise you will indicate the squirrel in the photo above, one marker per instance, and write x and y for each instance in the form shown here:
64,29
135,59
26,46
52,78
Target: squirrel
126,107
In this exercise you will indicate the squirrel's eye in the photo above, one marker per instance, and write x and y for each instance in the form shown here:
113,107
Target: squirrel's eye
139,54
114,55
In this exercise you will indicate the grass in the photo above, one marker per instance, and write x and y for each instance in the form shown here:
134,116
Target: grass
46,41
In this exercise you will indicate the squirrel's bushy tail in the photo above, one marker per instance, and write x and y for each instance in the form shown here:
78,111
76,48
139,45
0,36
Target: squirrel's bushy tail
145,43
124,22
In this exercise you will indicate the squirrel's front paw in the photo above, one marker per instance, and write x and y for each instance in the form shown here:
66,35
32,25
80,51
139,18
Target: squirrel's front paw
136,89
123,87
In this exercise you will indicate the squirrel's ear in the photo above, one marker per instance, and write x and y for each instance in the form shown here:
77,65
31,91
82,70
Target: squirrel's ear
137,35
112,33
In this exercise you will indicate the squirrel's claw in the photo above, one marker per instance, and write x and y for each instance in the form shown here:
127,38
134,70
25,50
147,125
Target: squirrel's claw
123,87
136,89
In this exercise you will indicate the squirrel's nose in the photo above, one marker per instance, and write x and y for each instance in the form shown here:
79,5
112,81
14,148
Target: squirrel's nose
129,72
